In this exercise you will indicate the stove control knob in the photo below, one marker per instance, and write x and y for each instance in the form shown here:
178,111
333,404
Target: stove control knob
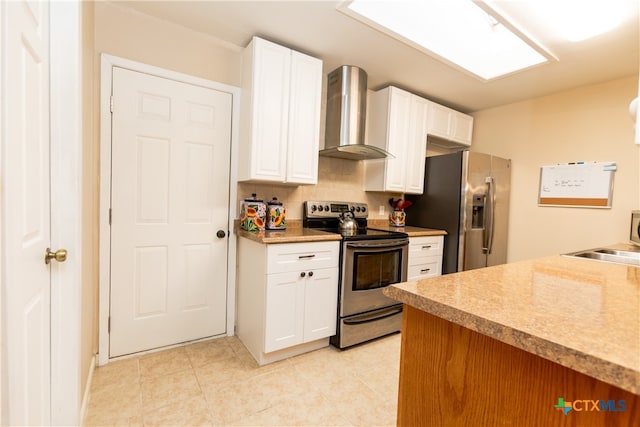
358,209
364,208
326,208
314,208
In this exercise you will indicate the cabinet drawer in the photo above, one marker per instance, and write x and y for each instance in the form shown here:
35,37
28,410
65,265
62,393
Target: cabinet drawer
425,246
301,256
426,267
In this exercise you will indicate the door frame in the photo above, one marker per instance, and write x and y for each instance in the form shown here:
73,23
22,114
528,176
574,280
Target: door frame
107,62
67,129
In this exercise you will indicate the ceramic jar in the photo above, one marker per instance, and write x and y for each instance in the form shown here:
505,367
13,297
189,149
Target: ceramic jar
253,214
397,217
276,214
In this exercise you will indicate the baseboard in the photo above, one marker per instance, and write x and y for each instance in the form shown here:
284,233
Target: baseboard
87,389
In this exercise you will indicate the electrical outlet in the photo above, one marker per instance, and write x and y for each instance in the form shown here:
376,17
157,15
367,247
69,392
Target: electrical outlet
381,210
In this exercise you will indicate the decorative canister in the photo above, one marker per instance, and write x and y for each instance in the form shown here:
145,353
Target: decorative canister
253,213
396,218
276,214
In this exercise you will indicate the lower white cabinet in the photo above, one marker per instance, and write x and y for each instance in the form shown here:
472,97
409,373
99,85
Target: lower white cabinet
287,297
300,307
425,257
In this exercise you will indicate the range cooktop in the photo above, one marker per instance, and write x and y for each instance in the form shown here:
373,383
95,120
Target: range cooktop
325,216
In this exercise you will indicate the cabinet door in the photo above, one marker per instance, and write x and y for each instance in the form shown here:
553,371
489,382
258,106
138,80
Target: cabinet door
304,119
269,111
302,256
321,304
284,317
462,128
421,268
425,257
449,124
439,120
422,246
416,146
398,135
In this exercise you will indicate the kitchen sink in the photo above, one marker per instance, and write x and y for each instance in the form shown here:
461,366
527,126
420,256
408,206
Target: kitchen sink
617,256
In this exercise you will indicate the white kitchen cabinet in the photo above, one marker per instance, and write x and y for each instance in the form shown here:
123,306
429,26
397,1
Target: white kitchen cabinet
287,297
425,257
280,115
397,123
449,124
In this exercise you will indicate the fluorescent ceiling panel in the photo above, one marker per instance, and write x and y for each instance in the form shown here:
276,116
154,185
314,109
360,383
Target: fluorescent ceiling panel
456,31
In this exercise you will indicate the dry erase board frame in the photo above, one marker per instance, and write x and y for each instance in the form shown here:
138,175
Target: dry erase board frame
580,185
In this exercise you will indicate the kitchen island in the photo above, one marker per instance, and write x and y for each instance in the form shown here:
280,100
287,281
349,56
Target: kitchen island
552,341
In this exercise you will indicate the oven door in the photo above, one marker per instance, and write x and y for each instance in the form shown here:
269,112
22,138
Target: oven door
368,267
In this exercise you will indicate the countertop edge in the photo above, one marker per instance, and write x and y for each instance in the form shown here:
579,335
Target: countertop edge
603,370
275,237
425,233
412,231
296,233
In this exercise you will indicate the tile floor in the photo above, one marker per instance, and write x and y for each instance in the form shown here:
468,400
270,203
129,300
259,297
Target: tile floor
218,383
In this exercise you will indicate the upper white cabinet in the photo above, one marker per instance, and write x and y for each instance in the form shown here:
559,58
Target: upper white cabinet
397,123
280,115
450,125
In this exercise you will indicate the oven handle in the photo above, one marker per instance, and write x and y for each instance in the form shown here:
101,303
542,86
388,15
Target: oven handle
367,319
381,245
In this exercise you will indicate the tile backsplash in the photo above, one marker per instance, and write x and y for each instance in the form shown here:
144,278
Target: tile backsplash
338,180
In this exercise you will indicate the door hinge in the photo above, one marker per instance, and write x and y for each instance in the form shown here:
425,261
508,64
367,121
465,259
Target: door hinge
109,325
109,216
111,103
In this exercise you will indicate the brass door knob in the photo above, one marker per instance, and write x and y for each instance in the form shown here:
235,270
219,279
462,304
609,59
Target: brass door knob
60,255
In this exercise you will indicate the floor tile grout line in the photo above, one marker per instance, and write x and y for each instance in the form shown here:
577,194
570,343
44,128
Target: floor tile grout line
294,362
140,397
206,400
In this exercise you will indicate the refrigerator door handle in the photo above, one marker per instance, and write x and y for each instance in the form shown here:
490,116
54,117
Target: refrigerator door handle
489,219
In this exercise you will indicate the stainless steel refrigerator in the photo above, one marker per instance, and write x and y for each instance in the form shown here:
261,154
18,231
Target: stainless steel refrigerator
466,194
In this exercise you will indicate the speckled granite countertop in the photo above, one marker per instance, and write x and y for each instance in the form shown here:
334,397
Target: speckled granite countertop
582,314
294,233
383,224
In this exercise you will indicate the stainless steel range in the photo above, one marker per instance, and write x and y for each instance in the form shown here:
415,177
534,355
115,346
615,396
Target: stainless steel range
371,259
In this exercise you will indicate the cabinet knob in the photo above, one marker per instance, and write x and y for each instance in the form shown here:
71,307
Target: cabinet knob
310,273
303,274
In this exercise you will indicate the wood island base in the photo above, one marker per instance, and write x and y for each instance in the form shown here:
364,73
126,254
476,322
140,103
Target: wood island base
453,376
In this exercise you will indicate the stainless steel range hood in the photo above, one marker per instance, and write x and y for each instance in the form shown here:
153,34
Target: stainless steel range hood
346,112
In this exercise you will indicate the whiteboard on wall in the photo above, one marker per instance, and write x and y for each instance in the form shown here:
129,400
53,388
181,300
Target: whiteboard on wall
577,185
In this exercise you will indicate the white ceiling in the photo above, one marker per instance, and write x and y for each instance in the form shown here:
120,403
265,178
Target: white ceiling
317,28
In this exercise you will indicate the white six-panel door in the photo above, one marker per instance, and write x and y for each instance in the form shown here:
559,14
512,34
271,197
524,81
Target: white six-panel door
170,190
26,211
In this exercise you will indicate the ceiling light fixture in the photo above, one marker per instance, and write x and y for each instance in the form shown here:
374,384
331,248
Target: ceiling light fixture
467,34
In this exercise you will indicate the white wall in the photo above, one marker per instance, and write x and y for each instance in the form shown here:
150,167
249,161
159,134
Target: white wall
590,123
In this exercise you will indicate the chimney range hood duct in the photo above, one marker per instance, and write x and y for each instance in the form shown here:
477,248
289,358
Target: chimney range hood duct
346,112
